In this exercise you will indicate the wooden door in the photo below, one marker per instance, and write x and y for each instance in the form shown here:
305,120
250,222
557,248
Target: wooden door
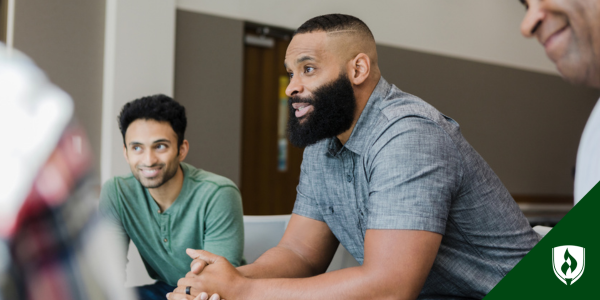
269,179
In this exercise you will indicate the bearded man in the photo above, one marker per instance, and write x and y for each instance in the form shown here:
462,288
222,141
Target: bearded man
165,205
384,174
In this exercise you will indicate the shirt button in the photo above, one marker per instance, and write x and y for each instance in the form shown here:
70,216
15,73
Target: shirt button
331,209
165,240
348,178
159,211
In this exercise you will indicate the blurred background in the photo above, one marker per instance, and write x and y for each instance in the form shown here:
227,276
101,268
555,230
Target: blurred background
223,60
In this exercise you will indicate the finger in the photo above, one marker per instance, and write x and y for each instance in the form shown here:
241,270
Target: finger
215,297
191,275
202,296
178,296
197,265
182,283
203,255
181,289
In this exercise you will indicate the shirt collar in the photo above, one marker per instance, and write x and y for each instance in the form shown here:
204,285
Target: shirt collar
358,139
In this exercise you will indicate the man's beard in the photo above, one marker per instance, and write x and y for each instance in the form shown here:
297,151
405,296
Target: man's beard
334,106
168,172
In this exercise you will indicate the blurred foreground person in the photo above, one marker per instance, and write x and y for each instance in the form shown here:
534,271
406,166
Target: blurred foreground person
569,30
51,240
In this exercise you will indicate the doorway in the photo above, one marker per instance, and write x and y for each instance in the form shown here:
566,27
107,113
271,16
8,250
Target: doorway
270,164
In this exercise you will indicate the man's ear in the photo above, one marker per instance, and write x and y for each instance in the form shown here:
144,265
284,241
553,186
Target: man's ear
360,68
183,150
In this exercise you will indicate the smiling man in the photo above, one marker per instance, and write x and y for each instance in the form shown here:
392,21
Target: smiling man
384,174
166,205
569,30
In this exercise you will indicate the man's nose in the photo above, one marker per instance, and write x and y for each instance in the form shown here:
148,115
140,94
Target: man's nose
295,87
533,19
150,158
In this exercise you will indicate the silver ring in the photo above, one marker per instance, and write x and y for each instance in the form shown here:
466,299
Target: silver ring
188,290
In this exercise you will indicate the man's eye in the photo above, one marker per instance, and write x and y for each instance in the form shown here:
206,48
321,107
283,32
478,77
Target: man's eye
136,148
161,146
291,75
309,69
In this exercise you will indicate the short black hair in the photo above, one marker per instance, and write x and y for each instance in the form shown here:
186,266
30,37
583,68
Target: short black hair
334,22
156,107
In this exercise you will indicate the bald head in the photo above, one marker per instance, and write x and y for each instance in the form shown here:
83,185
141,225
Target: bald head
347,35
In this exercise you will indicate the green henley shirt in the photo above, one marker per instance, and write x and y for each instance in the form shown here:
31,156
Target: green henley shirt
206,215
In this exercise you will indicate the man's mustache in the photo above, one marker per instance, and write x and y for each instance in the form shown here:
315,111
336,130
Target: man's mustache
296,99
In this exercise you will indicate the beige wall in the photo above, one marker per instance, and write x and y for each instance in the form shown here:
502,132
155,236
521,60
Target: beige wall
526,125
208,82
486,31
139,61
66,39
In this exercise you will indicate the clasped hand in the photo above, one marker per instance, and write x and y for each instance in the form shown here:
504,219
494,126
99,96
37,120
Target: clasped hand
210,274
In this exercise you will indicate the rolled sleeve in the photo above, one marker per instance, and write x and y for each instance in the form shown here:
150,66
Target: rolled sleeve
415,167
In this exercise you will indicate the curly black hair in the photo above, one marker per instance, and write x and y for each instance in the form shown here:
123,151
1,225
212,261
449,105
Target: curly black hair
156,107
334,22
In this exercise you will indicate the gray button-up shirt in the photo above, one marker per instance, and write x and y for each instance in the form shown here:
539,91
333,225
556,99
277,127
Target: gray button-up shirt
407,166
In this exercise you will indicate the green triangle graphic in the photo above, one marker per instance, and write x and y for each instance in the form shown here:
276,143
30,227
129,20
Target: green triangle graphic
534,278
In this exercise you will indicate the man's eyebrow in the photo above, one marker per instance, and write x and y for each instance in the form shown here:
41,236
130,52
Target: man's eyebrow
162,141
301,59
134,143
304,58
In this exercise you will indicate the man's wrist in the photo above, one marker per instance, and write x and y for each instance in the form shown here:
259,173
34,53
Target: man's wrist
243,288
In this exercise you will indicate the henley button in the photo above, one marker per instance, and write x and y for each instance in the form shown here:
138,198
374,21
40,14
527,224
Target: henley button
348,178
165,240
331,209
159,211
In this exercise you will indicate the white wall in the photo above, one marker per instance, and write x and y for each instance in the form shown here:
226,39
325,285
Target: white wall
138,61
479,30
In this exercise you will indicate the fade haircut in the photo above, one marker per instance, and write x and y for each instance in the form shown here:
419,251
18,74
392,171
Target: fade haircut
157,107
335,22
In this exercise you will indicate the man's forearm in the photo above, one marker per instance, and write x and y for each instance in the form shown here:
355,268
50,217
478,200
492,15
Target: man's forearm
350,283
280,262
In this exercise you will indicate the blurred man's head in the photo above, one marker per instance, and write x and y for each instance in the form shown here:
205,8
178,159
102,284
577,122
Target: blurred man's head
153,129
330,61
569,30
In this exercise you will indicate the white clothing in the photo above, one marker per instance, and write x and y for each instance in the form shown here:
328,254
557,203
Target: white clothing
587,170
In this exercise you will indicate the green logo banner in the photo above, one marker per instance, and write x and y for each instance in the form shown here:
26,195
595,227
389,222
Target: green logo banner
565,264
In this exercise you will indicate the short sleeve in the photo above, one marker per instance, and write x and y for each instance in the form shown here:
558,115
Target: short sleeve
305,204
224,219
414,171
